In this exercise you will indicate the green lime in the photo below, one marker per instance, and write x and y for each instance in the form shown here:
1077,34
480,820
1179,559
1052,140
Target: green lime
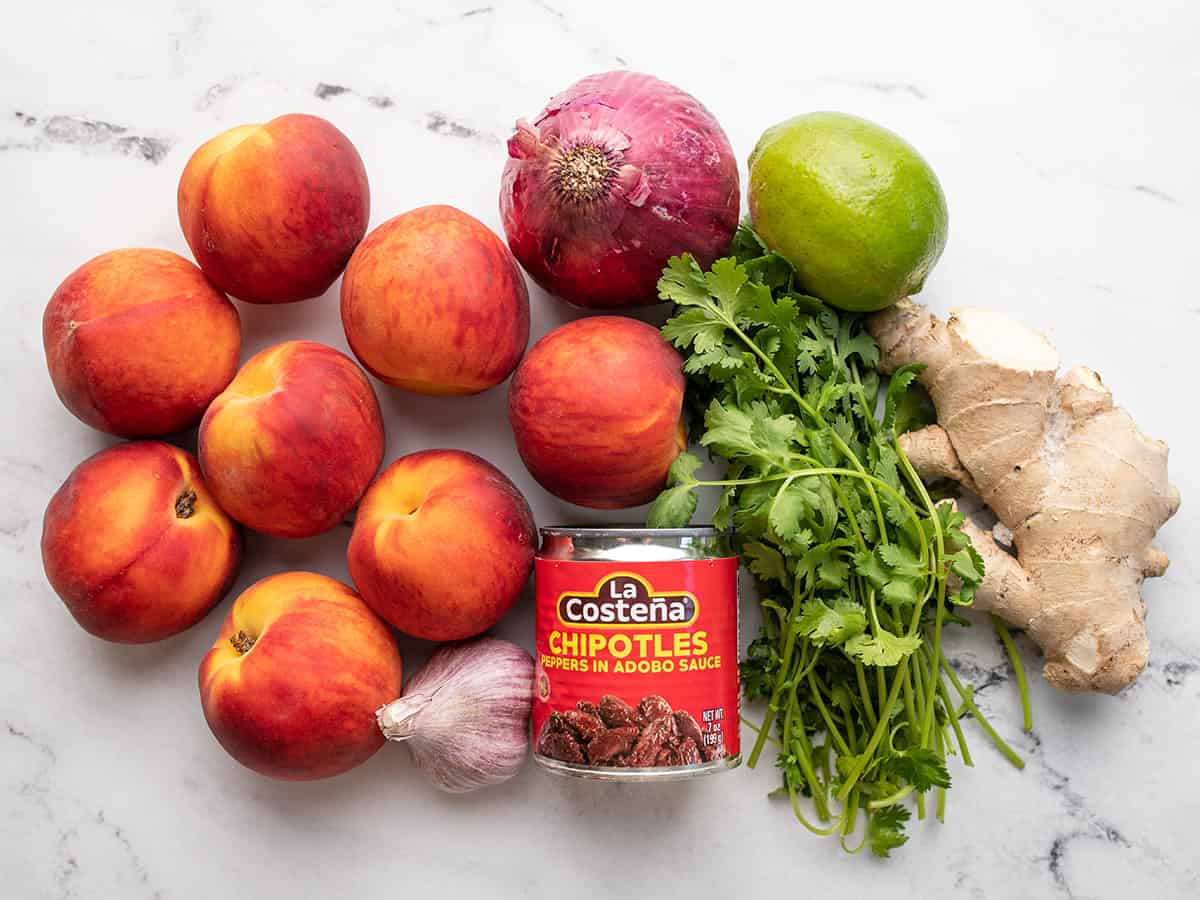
851,205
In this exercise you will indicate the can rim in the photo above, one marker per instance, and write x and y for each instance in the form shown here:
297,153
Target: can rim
628,531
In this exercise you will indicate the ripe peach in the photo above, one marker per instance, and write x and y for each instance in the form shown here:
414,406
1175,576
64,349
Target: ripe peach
136,546
272,212
291,685
138,342
595,408
434,302
442,545
292,443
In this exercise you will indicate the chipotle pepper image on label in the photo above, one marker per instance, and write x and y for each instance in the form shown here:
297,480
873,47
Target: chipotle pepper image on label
636,653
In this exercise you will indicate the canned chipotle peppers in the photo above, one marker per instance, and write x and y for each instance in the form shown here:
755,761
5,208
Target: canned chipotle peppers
637,643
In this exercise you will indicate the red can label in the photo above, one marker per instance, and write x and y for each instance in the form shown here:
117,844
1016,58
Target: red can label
636,662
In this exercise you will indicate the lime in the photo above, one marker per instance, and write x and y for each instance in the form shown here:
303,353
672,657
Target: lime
851,205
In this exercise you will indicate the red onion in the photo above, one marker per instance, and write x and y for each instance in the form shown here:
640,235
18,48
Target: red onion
616,175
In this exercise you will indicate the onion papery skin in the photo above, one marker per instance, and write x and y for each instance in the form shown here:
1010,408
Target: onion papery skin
617,174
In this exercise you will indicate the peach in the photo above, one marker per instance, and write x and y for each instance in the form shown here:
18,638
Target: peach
272,212
595,408
442,545
289,447
135,544
433,301
138,342
291,685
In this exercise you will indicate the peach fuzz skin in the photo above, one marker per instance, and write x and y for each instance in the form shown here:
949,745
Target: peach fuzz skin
434,302
273,211
596,407
138,342
289,447
136,546
291,685
442,545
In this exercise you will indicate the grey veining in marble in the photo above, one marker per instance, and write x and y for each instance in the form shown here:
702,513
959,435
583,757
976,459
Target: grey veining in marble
1065,136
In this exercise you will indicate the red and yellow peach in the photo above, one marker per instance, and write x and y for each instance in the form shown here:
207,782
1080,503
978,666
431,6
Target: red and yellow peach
136,546
595,408
138,342
289,447
442,545
291,685
273,211
433,301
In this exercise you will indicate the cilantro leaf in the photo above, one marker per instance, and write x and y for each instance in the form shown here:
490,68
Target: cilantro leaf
683,283
723,514
747,245
967,564
823,566
831,626
802,504
882,648
914,410
683,469
765,562
724,282
885,829
919,766
673,508
901,560
695,328
858,344
902,379
759,669
752,434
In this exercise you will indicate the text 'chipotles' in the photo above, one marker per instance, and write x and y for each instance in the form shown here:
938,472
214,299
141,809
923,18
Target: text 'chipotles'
636,653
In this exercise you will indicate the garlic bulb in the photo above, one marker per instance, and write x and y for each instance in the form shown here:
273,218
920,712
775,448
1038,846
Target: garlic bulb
465,714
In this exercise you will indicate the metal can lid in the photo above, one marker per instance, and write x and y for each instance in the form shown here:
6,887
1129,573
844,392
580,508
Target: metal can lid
625,532
621,542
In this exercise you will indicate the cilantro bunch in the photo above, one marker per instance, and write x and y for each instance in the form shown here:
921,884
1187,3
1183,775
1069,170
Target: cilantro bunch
858,568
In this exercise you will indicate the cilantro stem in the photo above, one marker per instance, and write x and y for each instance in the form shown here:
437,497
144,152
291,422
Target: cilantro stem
917,673
909,709
868,411
758,730
830,728
948,704
844,501
941,791
804,760
918,677
865,693
1014,658
860,763
849,826
785,672
939,574
1006,751
891,798
823,832
873,610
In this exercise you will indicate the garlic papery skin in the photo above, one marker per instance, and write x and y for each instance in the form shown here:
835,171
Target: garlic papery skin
465,714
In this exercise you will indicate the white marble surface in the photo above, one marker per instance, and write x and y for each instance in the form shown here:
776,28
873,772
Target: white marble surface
1066,142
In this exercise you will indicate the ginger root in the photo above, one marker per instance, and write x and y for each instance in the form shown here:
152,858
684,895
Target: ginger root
1081,489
